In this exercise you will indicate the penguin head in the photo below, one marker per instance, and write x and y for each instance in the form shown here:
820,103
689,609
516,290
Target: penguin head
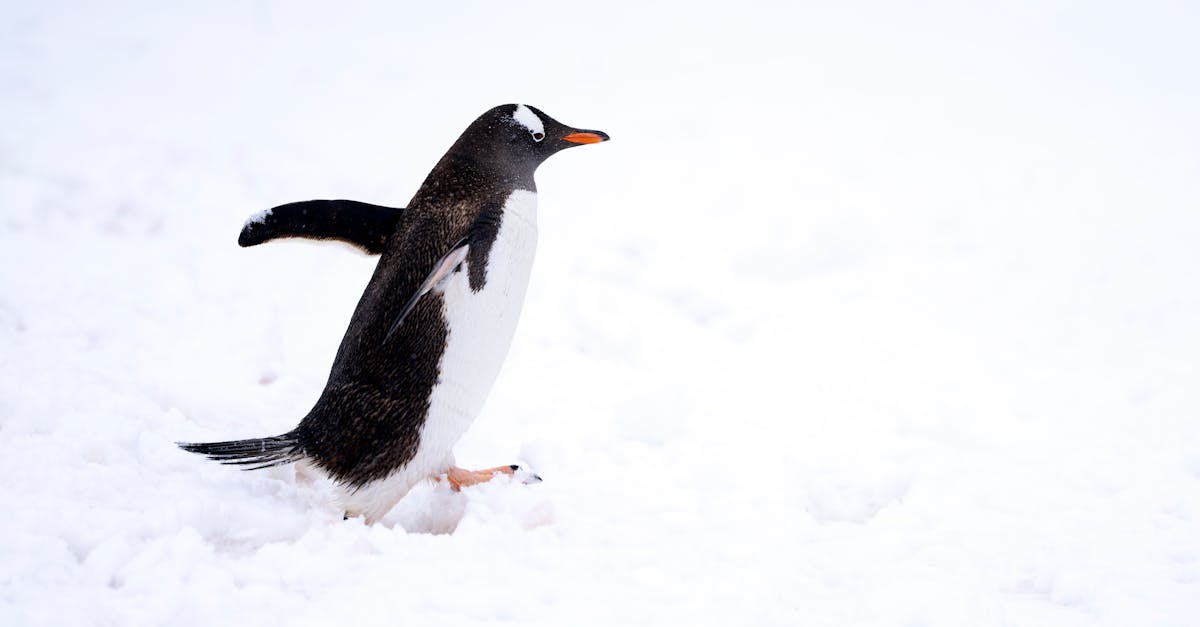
517,138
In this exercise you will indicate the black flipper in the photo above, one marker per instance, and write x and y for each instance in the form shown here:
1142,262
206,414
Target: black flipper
255,453
361,224
446,266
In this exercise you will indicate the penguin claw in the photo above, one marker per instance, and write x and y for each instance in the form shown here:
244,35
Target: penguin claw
525,476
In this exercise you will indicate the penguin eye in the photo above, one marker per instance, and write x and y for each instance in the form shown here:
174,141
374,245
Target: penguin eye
537,136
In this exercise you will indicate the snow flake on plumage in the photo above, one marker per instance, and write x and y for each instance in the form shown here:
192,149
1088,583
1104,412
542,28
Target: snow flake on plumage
258,218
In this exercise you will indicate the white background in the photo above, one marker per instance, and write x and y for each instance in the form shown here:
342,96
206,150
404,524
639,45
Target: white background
867,315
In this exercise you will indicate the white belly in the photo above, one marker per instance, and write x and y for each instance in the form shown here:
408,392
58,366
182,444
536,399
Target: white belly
481,326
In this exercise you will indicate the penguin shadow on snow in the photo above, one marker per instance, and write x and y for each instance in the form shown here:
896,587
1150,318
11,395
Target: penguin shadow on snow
436,509
433,507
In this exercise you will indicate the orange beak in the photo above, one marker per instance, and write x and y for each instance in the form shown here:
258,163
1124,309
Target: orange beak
586,137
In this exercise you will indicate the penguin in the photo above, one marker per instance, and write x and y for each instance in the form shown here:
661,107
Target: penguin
433,325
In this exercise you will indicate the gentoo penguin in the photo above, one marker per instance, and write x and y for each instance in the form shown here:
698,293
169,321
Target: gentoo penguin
432,327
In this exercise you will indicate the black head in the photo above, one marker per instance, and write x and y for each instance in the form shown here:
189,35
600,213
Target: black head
513,140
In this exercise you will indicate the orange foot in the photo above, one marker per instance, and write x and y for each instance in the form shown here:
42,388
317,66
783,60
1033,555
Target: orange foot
459,478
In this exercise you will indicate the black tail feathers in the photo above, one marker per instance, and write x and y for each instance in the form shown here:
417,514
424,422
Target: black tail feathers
255,453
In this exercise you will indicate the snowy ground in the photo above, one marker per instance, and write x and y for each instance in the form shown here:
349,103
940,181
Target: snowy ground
866,316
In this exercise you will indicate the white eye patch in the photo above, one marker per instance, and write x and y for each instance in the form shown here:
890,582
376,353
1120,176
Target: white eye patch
527,118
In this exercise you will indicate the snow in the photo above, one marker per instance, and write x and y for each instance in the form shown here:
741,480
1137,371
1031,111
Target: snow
866,315
259,217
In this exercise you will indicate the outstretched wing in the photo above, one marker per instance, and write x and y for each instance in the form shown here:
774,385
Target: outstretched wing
361,224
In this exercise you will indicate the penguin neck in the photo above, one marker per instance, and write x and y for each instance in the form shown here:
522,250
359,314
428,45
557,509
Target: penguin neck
473,176
462,180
